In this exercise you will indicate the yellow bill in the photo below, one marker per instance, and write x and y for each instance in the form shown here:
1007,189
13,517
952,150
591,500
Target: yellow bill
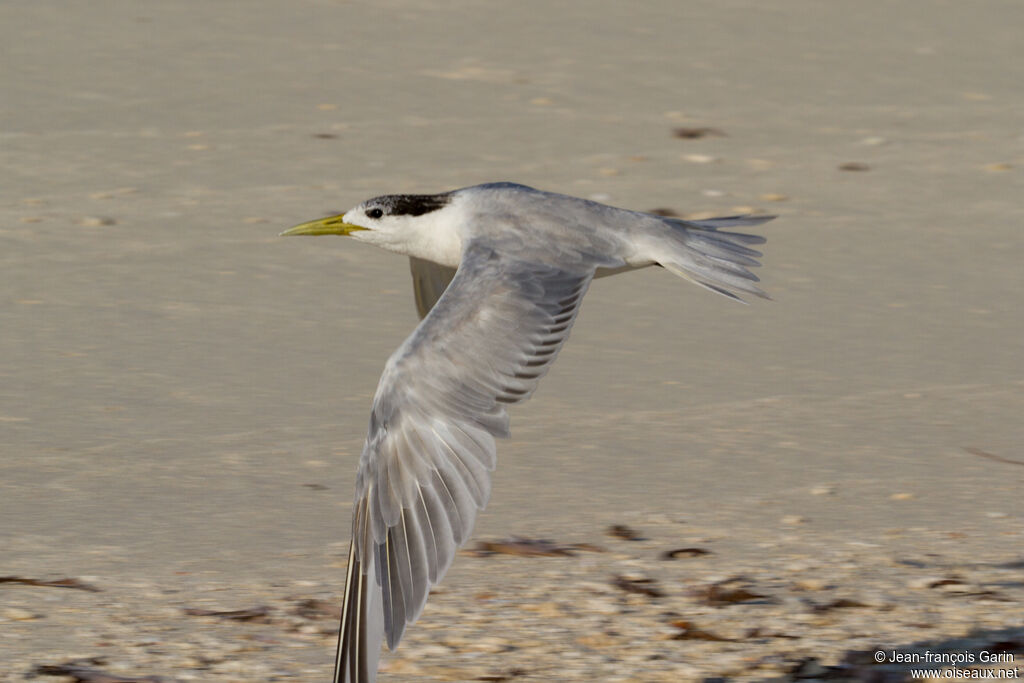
332,225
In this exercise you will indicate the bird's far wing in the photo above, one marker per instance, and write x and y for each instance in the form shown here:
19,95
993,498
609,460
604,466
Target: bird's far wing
425,469
429,280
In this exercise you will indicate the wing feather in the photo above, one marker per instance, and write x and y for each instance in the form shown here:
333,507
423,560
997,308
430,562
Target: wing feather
425,469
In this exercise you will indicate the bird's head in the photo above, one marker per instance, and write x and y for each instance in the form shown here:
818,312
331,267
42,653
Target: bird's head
397,222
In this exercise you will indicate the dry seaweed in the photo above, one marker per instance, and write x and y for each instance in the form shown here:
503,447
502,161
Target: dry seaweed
80,672
728,592
313,608
501,677
694,133
260,613
689,631
985,454
531,547
640,586
57,583
684,552
626,533
839,603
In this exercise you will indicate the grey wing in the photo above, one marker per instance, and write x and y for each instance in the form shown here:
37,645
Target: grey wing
429,280
425,469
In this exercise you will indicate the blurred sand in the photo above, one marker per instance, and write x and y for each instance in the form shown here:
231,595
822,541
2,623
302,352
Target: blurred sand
172,375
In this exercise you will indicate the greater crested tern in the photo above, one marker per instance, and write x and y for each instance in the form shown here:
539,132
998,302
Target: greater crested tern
499,271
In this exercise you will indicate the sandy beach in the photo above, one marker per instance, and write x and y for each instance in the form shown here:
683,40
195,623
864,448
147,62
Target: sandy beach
184,395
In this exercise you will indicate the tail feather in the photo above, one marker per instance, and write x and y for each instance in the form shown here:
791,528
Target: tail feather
727,222
714,259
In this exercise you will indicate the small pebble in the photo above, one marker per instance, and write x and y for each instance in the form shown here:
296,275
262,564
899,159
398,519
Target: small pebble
492,645
110,194
96,221
17,614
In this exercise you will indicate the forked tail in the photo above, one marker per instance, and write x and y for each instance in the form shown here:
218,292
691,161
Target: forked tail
712,258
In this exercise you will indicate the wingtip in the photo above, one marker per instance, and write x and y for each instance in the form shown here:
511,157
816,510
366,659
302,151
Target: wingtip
359,633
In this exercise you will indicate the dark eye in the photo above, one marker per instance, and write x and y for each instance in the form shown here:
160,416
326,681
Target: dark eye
374,213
